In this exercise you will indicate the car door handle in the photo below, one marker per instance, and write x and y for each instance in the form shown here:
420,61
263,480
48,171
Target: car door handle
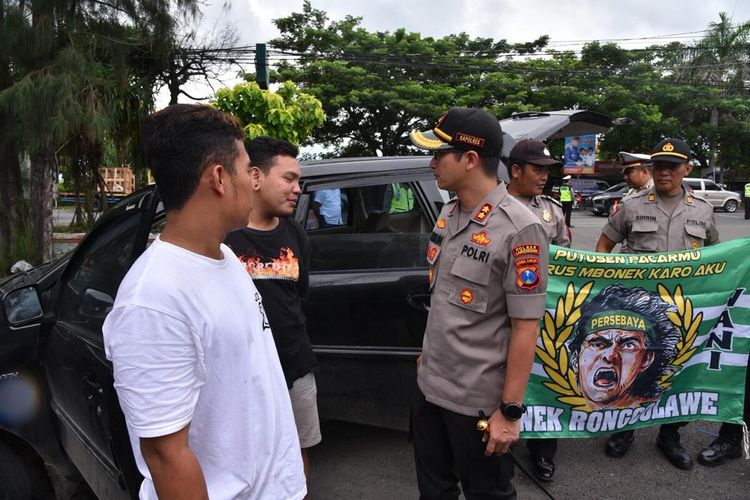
419,301
95,393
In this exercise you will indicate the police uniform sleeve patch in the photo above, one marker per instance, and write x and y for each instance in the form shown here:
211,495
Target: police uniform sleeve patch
527,261
547,215
527,276
525,249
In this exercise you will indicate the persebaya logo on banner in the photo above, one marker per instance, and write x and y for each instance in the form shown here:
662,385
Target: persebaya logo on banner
640,339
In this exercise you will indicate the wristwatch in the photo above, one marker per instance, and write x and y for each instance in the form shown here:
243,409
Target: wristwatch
512,411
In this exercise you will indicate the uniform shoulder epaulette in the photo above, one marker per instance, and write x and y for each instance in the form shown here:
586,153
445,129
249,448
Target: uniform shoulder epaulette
700,197
517,213
637,194
549,198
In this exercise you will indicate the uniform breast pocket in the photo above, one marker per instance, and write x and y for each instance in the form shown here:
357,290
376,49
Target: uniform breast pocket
469,280
695,236
643,236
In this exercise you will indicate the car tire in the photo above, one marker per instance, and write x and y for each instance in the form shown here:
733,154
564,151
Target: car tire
14,479
731,206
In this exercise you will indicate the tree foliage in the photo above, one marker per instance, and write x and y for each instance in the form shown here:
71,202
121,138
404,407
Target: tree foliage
285,114
377,86
78,77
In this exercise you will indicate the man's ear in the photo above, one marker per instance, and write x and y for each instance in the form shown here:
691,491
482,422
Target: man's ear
257,176
217,178
688,169
515,170
472,159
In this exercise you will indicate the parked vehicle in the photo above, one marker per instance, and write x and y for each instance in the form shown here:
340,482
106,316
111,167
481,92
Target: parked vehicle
366,315
583,189
715,194
601,203
587,187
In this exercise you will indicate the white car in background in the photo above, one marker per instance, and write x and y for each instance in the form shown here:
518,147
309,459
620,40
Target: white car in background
714,193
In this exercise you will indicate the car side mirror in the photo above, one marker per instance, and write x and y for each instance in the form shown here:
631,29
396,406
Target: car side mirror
95,304
22,305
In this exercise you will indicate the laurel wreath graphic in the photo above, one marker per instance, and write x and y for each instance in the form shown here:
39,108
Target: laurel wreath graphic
554,353
557,329
686,323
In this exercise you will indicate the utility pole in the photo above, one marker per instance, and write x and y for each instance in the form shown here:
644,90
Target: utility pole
261,66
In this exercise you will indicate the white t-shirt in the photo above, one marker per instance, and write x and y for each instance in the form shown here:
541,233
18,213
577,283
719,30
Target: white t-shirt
190,343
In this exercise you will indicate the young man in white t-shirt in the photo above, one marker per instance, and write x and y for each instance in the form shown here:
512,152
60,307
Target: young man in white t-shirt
195,366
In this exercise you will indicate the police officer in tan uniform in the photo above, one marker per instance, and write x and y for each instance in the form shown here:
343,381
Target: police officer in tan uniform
636,170
661,219
488,277
528,169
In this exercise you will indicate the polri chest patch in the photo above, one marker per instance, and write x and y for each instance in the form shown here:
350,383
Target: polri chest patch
475,253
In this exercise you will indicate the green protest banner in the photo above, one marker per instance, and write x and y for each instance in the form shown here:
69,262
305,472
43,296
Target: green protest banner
632,340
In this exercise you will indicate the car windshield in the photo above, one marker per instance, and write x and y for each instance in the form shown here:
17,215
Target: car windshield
615,188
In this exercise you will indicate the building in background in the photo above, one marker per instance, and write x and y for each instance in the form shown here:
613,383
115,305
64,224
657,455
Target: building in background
119,180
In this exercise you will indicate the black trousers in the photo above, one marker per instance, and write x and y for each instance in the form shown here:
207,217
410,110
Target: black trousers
567,207
447,449
747,208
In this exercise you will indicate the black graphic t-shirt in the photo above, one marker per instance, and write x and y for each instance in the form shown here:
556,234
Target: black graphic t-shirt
278,261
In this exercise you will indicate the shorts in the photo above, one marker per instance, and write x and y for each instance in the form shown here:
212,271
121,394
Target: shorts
304,396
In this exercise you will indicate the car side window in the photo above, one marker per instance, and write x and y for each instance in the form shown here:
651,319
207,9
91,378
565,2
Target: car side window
91,280
363,227
710,186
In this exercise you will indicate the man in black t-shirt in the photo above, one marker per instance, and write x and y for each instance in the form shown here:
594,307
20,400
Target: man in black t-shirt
276,254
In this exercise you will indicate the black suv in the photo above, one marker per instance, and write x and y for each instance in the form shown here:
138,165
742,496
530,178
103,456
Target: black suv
601,202
366,314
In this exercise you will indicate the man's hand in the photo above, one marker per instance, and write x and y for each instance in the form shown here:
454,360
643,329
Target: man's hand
500,434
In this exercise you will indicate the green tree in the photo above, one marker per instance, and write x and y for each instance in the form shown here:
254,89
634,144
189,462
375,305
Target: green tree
722,60
285,114
376,87
74,74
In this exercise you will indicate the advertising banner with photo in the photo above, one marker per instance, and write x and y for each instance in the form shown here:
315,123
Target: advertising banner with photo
633,340
580,154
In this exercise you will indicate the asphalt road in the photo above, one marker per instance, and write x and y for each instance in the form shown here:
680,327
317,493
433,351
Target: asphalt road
365,463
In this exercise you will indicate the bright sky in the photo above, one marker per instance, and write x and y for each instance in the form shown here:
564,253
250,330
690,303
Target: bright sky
516,21
511,19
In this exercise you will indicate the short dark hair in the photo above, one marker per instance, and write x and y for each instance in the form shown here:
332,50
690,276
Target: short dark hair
262,151
490,165
180,141
648,305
